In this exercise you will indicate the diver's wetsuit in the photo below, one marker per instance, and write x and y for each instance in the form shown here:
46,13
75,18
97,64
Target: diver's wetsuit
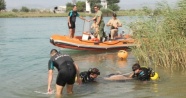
144,75
86,77
65,67
73,15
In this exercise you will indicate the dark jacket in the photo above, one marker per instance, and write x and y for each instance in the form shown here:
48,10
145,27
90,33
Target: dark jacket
86,77
144,75
60,61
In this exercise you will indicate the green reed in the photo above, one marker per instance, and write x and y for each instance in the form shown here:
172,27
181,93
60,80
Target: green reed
162,38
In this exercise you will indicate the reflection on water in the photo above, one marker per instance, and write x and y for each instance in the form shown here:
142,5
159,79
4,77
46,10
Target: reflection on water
24,51
121,63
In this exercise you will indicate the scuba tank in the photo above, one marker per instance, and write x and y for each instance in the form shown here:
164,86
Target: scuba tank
153,75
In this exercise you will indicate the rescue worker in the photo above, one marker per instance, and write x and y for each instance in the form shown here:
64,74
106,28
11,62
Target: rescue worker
90,75
67,71
139,73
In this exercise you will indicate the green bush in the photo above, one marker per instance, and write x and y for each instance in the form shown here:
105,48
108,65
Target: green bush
15,10
114,7
24,9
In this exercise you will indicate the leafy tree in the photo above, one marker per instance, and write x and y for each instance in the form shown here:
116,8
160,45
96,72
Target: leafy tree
112,1
94,1
114,7
112,4
24,9
15,10
69,7
2,5
80,6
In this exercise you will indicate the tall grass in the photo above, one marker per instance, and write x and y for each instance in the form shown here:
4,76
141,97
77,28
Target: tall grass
162,38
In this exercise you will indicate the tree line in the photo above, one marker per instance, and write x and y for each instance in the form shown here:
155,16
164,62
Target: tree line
25,9
2,5
112,5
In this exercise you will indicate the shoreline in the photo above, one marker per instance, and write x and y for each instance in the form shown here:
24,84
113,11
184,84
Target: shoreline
50,14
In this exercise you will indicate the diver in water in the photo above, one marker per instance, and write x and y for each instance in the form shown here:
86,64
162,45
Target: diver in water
90,75
139,73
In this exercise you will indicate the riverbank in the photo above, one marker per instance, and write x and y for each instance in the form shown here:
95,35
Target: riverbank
30,14
50,14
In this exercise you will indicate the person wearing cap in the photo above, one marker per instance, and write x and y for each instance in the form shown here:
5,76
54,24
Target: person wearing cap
90,75
72,19
67,71
139,73
114,23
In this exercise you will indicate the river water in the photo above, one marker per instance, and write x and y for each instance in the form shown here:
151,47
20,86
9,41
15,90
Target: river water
24,55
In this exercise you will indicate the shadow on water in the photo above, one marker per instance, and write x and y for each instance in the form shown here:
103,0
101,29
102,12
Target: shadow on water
84,52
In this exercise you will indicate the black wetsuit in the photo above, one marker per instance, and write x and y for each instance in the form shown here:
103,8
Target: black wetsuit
73,15
86,77
144,75
66,69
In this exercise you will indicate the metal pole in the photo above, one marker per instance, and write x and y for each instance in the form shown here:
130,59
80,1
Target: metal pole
83,25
